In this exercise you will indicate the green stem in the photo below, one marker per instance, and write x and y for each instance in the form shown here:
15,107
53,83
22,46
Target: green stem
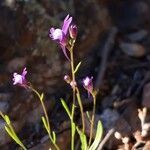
81,109
73,105
72,70
72,132
93,119
46,116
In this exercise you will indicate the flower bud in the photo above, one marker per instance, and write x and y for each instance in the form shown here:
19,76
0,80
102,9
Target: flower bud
73,31
88,84
67,79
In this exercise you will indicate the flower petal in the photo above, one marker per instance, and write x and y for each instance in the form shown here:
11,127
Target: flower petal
56,34
24,72
66,24
64,51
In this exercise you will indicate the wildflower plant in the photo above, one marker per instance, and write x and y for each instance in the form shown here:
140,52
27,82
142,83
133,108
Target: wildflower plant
66,38
69,38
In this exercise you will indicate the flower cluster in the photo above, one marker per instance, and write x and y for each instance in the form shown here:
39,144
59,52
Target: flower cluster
61,35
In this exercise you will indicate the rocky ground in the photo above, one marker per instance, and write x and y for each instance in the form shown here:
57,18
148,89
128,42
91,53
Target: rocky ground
113,44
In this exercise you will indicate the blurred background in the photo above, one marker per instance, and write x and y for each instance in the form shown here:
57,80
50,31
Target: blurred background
113,44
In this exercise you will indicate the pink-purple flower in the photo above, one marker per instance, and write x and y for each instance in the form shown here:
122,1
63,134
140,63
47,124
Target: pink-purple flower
19,79
88,84
60,35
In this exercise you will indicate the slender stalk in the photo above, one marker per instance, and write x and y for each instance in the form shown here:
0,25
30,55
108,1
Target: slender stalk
73,87
93,119
81,109
72,133
46,116
72,70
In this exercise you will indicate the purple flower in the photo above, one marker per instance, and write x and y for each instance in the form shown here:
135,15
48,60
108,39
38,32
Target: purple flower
60,35
88,84
20,79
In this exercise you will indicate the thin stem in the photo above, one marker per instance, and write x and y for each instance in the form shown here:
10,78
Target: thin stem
72,133
72,70
73,81
46,116
93,119
81,109
43,106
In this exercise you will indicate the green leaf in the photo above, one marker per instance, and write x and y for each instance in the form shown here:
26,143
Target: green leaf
10,133
79,99
54,136
66,107
98,136
73,129
45,124
83,139
14,137
77,67
42,97
9,129
7,119
88,116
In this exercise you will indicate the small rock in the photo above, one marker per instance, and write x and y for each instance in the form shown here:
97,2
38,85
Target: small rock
137,36
132,49
109,117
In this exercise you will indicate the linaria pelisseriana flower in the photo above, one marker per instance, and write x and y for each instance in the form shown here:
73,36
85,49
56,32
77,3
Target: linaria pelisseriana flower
88,84
19,79
60,35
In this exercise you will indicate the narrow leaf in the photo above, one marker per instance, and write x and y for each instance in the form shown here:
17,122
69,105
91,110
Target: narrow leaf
83,139
77,67
13,136
7,119
73,128
98,136
66,107
10,133
42,97
88,116
45,123
54,136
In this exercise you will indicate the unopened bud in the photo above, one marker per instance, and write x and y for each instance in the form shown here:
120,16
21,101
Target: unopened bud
73,31
67,79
